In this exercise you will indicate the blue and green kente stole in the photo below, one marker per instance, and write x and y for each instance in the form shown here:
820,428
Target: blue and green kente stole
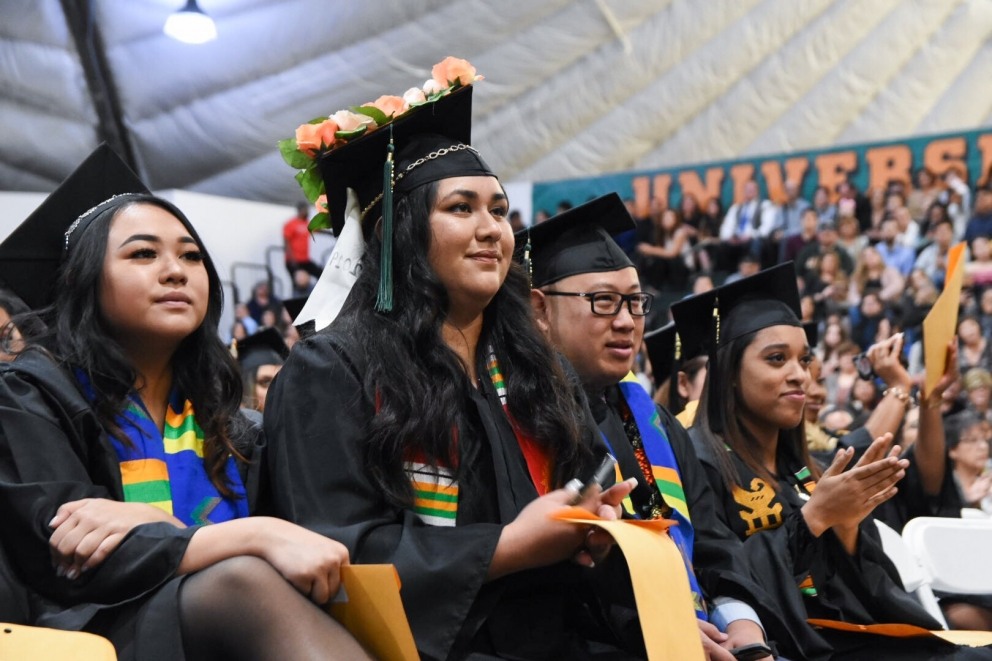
165,469
665,470
435,488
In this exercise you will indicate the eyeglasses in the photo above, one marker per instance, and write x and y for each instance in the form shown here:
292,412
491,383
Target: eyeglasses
607,303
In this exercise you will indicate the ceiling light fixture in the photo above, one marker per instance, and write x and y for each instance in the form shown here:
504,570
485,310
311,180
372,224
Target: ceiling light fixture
191,25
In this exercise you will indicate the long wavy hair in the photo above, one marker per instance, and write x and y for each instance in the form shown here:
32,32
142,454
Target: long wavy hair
725,375
421,386
79,338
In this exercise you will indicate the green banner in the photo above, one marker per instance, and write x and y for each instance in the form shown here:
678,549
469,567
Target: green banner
868,165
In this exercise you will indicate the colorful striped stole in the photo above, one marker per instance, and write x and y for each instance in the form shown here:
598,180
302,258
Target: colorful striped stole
538,461
435,489
665,471
435,493
165,469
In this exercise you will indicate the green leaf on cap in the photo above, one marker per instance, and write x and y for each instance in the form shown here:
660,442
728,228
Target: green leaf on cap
293,156
319,222
377,115
351,135
311,182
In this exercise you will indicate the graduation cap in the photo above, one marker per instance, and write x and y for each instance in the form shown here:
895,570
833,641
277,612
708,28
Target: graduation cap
431,142
294,306
812,330
576,241
668,352
660,344
31,255
722,315
266,347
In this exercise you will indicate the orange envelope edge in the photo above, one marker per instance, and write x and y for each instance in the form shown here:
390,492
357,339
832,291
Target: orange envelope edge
373,612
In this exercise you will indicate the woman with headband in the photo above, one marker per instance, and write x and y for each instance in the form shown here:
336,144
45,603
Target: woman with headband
121,443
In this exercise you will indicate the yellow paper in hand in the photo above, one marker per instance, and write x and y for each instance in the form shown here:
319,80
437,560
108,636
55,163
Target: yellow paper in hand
942,320
373,612
661,587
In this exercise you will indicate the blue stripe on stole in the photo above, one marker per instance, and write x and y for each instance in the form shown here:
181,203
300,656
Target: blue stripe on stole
659,452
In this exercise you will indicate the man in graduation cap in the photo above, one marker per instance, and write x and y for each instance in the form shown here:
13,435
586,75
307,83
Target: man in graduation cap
587,299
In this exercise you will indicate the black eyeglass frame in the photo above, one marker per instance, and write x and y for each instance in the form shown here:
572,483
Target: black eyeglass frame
646,300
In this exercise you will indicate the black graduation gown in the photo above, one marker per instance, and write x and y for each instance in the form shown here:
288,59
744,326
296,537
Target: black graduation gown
718,564
315,419
781,552
53,451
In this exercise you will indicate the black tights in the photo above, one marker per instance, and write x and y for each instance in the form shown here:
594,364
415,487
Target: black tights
243,609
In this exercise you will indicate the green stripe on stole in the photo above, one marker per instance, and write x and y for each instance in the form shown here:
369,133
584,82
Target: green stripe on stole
669,482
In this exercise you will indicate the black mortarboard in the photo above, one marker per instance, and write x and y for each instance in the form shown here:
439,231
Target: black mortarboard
266,347
660,344
435,134
812,330
579,240
31,255
721,315
294,306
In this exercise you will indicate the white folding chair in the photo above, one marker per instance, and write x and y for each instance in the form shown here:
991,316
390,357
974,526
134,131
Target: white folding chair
914,575
955,552
973,513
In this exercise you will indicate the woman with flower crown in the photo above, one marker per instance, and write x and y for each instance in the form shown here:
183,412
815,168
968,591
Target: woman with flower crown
121,442
429,425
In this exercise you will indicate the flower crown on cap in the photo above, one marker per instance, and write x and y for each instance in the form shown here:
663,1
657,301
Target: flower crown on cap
325,134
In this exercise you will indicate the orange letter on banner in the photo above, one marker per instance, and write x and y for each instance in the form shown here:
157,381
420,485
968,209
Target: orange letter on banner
985,146
795,170
691,184
885,164
642,196
662,183
741,174
942,155
834,168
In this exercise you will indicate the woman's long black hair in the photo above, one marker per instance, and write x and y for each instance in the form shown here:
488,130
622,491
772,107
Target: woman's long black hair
420,385
792,450
78,337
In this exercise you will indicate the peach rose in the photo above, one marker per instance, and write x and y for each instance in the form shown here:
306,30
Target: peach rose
310,138
351,121
451,70
414,95
321,204
391,106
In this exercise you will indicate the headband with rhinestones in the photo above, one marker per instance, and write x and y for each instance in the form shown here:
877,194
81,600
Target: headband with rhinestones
87,216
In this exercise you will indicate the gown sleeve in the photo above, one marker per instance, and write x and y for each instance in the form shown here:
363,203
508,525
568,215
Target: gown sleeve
315,421
51,453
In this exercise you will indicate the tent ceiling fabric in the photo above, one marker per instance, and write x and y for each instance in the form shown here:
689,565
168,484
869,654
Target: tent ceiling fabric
573,87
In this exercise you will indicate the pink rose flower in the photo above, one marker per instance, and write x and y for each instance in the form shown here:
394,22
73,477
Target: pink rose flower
453,70
321,204
310,138
414,95
391,106
350,121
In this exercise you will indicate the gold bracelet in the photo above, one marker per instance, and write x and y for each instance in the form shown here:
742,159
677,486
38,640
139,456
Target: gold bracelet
901,395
